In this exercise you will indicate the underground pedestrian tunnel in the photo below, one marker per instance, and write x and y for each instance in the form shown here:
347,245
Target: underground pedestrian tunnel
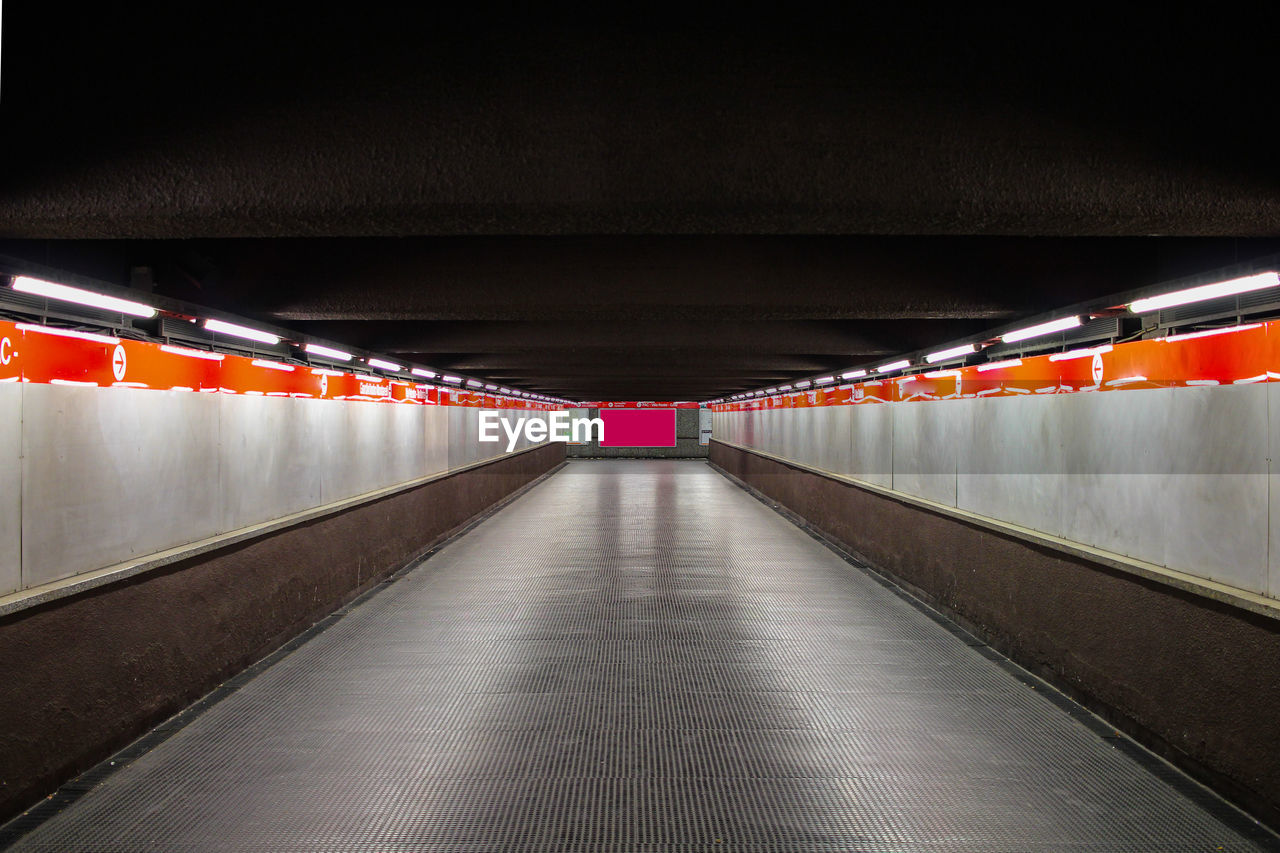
505,434
267,593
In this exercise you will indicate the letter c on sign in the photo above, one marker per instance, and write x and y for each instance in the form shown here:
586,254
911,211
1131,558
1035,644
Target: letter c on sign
6,351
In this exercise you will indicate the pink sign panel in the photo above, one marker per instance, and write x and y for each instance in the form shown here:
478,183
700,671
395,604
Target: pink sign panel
638,427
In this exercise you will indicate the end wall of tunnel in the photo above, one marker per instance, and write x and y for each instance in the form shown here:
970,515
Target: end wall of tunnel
687,441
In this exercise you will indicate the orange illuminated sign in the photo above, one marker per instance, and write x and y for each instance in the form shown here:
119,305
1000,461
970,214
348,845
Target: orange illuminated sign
51,356
1239,355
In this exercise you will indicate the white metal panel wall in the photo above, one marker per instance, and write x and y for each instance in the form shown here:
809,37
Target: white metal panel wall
10,487
359,448
927,441
1176,477
271,459
90,477
281,456
871,456
839,439
1213,500
1273,468
1172,476
112,474
796,439
771,439
436,438
463,444
511,419
404,456
1013,468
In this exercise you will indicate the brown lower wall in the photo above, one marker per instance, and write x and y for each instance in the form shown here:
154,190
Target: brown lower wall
83,676
1195,679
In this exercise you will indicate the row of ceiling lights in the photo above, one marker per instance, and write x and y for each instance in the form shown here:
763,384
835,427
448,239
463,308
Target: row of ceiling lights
1146,305
104,302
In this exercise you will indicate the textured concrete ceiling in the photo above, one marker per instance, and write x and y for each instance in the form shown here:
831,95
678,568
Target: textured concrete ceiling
613,209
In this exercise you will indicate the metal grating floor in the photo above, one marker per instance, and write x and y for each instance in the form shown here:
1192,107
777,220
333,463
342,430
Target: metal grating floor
638,655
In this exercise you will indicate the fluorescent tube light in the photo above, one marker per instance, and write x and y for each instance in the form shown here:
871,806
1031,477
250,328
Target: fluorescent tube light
327,352
823,380
1208,333
1036,331
1080,353
945,354
1249,283
893,365
805,384
383,365
471,383
241,332
425,374
68,333
451,378
272,365
51,290
491,387
853,374
192,353
784,387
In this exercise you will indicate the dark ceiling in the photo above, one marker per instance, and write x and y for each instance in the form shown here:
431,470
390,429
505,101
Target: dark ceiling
612,209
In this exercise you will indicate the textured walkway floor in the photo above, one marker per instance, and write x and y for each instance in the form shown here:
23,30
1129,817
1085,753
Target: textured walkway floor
635,656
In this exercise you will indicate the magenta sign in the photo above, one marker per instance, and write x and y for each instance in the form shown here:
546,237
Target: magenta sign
638,427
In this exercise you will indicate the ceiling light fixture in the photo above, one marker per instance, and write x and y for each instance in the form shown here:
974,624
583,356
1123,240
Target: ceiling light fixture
192,353
224,328
52,290
1249,283
327,352
68,333
272,365
943,355
1000,365
1060,325
1208,333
